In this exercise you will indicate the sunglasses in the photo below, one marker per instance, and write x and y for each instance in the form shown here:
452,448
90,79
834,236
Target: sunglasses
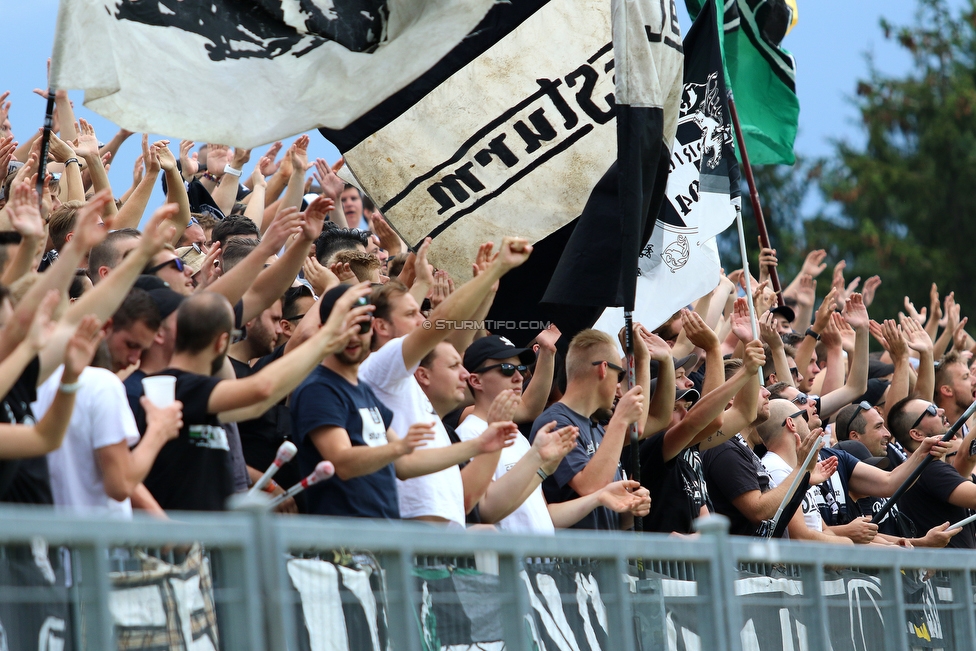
506,369
621,373
795,372
803,413
176,262
931,410
802,399
864,405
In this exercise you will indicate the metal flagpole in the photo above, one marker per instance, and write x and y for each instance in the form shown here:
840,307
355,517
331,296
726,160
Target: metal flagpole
632,430
956,426
747,278
754,197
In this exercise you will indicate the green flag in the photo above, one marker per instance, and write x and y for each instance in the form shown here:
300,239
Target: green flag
761,74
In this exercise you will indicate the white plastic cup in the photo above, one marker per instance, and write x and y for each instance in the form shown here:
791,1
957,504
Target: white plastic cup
160,389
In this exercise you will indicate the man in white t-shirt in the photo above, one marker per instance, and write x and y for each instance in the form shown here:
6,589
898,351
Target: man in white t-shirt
94,469
401,340
512,496
781,434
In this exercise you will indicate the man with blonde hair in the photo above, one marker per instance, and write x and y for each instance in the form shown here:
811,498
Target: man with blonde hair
594,371
366,266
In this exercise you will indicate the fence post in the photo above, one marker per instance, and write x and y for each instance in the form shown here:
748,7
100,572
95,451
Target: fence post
715,531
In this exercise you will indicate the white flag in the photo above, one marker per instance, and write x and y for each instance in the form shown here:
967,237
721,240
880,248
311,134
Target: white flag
248,72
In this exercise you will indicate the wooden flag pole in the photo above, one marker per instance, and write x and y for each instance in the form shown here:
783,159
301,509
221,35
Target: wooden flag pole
754,197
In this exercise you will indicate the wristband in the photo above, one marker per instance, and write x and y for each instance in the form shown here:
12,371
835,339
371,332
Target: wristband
69,388
209,177
811,333
233,172
72,160
542,473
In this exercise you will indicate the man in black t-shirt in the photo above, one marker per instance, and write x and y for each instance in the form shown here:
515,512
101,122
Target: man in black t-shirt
193,471
941,495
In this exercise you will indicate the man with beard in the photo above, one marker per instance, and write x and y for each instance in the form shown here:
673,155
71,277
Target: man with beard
193,471
337,417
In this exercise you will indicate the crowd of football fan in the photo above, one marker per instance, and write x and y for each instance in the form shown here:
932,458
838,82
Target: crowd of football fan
249,288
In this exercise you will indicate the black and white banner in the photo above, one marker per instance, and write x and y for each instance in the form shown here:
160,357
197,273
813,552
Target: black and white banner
511,143
680,262
248,72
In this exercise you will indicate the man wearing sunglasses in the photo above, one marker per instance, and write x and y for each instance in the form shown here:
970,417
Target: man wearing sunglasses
168,266
782,435
594,371
941,495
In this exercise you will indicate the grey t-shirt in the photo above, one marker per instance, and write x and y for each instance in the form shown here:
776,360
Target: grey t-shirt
556,487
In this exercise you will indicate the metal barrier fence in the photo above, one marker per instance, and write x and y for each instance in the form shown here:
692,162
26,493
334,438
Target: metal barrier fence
253,581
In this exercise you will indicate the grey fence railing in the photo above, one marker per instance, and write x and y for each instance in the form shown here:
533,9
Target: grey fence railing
254,581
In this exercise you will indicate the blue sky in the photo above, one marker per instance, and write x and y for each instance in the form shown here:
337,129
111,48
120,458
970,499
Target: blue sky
830,43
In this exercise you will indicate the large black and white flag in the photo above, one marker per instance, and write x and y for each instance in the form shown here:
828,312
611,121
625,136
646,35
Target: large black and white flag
514,133
680,263
248,72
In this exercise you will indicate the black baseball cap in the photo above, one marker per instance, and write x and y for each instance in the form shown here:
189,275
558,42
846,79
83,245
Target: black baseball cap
167,301
328,301
679,394
494,347
785,311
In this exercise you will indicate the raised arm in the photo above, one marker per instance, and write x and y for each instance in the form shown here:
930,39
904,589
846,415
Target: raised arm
661,405
602,466
130,214
255,204
225,194
87,148
919,341
833,376
897,346
464,301
804,351
856,316
113,145
236,400
298,156
429,460
175,190
537,393
25,218
21,441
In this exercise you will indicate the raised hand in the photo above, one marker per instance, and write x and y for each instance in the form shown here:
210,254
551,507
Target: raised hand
767,261
313,219
59,150
287,223
344,322
870,287
209,272
328,179
553,444
298,154
959,336
895,338
915,336
741,323
240,158
822,315
320,278
217,157
630,408
442,288
855,313
257,176
831,334
389,240
504,406
343,272
806,291
417,437
24,213
267,164
913,313
513,252
4,113
697,331
189,162
823,471
159,231
767,331
753,358
167,161
43,325
499,435
814,263
657,348
421,268
7,148
546,340
138,171
81,348
87,144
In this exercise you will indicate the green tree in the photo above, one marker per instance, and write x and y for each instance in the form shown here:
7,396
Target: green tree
907,200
